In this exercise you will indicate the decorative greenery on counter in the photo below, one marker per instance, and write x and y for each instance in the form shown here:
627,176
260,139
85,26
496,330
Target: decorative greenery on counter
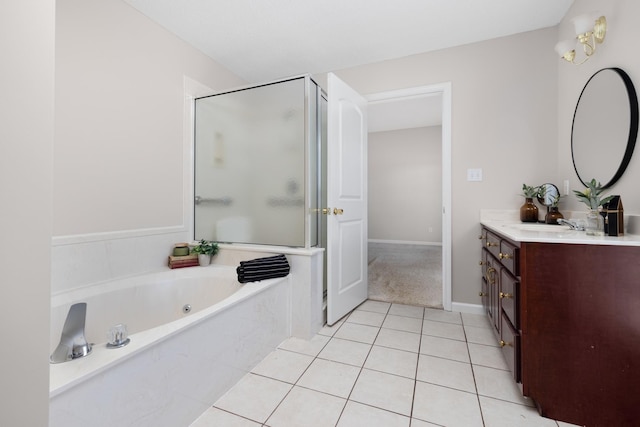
591,195
205,248
530,192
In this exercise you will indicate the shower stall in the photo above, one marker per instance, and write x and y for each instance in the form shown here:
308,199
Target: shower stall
260,153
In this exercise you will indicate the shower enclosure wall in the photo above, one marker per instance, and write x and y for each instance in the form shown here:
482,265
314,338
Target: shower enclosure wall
259,156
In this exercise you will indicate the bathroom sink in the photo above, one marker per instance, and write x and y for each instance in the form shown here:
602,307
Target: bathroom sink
539,227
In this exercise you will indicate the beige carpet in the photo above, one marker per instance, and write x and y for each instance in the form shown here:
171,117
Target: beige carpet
405,274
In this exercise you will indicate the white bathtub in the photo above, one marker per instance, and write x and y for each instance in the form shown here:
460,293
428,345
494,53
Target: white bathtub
177,364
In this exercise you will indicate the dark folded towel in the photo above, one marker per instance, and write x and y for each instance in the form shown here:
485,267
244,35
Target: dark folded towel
262,269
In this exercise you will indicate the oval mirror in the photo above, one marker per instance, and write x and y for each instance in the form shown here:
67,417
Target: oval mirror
549,195
605,127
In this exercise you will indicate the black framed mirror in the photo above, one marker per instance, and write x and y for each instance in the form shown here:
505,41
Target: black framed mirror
605,127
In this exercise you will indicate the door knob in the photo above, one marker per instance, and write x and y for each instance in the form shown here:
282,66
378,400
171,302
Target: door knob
326,211
337,211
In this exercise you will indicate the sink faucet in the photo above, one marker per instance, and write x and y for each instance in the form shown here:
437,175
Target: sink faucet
73,344
572,224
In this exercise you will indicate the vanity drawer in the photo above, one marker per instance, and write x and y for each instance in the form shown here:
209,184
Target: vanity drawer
509,297
509,256
510,346
492,243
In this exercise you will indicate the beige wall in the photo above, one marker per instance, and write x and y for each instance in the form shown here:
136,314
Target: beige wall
405,185
618,50
119,118
26,144
504,113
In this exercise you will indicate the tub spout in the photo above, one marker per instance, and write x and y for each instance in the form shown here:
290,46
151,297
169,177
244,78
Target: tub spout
73,344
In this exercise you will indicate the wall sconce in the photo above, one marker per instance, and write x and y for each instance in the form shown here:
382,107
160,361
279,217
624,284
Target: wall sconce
590,31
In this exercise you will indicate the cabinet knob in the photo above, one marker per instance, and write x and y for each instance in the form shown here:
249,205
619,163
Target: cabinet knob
480,237
504,343
505,295
504,256
481,263
483,294
490,244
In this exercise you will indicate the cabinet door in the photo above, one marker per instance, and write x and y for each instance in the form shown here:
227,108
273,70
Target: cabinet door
509,256
510,344
492,243
509,297
484,289
492,276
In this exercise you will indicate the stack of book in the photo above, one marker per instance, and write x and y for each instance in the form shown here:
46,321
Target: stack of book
183,261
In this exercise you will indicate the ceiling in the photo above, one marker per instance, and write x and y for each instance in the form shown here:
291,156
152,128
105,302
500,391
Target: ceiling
264,40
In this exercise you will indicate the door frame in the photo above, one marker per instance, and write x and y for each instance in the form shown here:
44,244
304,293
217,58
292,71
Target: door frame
444,89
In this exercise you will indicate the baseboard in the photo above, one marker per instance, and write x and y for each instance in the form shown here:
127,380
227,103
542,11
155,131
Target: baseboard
405,242
467,308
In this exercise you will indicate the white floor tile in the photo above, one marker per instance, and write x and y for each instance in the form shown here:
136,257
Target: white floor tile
431,376
498,384
330,377
392,361
303,407
445,372
407,310
442,316
486,355
214,417
400,340
345,351
443,347
330,330
445,406
484,336
498,413
476,320
385,391
358,415
443,330
254,397
419,423
356,332
401,323
375,306
283,365
366,318
309,347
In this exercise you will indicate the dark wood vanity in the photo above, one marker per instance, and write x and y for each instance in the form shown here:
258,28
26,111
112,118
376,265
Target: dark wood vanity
567,317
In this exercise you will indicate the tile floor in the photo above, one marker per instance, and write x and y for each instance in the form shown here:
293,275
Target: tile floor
382,365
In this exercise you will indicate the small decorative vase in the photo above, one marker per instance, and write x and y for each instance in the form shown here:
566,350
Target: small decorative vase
529,211
204,260
553,215
595,223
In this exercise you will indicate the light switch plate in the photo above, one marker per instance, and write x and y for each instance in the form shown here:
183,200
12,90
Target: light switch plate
474,174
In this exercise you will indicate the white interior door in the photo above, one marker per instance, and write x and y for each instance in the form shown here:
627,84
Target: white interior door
347,285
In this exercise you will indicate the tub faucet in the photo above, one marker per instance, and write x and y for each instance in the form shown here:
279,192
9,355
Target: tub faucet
572,224
73,344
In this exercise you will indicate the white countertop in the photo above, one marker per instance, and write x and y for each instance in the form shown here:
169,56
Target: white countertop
526,232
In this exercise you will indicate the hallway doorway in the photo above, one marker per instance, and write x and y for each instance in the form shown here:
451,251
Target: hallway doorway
409,196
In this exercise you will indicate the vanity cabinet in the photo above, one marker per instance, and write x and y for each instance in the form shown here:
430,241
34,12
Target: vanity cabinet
500,294
568,318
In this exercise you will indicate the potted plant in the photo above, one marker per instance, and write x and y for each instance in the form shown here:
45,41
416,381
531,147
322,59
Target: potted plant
529,211
591,197
205,251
